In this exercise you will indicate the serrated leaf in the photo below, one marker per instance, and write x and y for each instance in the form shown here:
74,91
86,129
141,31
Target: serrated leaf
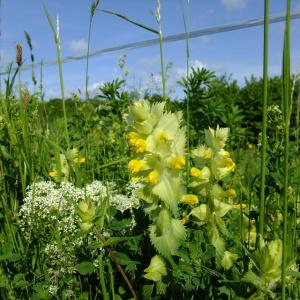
168,190
85,268
168,241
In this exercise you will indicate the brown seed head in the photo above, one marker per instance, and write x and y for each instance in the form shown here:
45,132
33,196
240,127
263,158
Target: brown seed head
19,56
25,96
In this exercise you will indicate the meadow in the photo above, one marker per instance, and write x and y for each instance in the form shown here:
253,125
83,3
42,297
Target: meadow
116,197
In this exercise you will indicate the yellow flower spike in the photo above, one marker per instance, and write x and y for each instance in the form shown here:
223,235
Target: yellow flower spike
153,177
140,146
190,199
136,165
53,174
163,137
231,193
178,162
195,172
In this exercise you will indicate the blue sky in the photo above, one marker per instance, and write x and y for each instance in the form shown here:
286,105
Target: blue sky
238,52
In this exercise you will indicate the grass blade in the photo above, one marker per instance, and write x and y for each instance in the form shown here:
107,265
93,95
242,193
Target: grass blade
264,124
130,21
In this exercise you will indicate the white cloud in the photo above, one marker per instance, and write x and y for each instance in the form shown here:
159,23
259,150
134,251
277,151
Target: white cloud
234,4
153,83
78,46
149,62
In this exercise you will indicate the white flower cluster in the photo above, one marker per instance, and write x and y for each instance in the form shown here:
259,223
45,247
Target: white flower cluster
49,216
50,209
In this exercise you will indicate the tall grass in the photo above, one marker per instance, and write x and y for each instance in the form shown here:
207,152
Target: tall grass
286,109
94,6
264,123
56,35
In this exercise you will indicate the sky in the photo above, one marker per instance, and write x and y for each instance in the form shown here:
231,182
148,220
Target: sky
239,53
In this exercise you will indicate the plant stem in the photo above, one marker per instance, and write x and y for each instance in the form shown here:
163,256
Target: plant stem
187,47
62,89
162,64
286,103
264,124
102,278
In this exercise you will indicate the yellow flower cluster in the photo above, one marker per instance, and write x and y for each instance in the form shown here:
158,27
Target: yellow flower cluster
159,144
212,164
158,141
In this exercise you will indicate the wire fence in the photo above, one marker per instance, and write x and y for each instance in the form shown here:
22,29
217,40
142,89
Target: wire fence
167,39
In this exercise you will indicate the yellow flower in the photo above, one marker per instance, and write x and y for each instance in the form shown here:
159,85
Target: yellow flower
231,193
140,146
153,177
163,137
195,172
230,165
203,152
136,165
241,206
132,138
79,160
190,199
53,174
178,162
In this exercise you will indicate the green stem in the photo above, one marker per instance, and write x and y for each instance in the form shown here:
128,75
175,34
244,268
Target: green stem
62,89
187,47
264,124
19,83
162,64
102,278
286,103
87,59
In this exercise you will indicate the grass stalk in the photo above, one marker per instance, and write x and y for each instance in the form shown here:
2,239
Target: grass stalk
92,13
286,106
264,124
59,62
161,53
187,48
102,278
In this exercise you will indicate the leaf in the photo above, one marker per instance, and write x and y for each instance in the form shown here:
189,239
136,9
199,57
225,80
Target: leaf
122,258
19,281
168,190
147,291
120,225
85,268
130,21
168,241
